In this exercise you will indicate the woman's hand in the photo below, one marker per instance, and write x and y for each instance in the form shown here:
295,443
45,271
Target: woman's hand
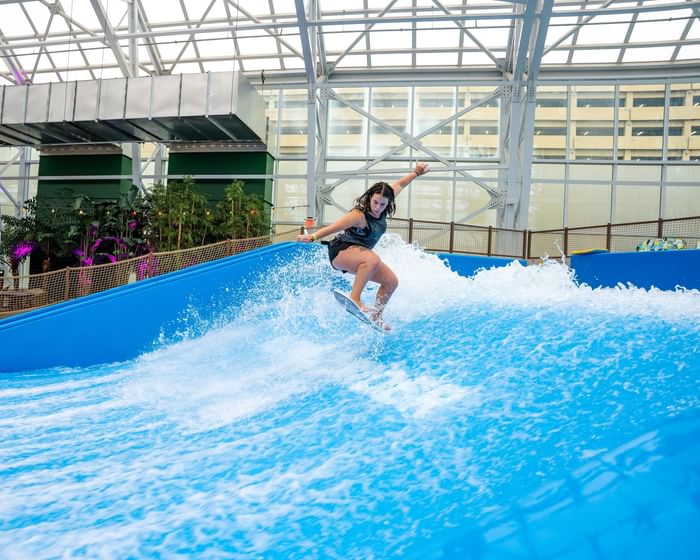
422,168
306,238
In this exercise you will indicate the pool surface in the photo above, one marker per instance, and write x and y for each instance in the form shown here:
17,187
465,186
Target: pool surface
509,415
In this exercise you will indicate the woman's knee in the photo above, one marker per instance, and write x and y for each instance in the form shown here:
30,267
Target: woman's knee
372,260
392,282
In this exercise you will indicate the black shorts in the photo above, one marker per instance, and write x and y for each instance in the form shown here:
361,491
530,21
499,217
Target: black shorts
335,246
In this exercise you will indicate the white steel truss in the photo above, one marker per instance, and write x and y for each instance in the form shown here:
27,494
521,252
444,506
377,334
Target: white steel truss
321,45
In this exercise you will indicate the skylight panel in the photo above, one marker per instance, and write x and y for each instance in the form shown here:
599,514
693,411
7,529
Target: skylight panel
340,38
689,52
38,13
220,65
436,59
657,31
171,46
187,68
82,11
257,45
287,7
440,38
494,35
479,58
216,47
389,60
555,57
250,65
197,8
648,54
14,22
385,37
694,32
595,56
253,7
608,33
353,61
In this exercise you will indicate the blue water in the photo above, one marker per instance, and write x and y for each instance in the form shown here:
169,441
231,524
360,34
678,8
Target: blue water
511,415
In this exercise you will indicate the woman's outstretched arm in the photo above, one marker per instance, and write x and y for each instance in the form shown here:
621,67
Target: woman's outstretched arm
420,169
353,218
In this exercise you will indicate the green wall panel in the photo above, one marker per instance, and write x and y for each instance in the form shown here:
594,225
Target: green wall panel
84,164
225,163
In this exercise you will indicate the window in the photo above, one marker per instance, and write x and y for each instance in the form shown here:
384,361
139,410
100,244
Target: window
346,129
300,129
476,129
647,131
551,102
675,101
550,131
598,130
443,102
390,103
598,101
294,103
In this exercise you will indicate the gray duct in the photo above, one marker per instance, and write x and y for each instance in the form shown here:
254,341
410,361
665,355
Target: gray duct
217,106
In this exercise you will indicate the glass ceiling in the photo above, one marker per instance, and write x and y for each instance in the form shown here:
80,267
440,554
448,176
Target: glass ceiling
294,41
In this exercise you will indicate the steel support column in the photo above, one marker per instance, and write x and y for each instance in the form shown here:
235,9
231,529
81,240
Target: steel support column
519,114
310,68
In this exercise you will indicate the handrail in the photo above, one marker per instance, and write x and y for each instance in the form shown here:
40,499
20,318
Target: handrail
38,290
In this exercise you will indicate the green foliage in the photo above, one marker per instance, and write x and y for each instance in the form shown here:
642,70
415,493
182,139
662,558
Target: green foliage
240,215
75,229
178,216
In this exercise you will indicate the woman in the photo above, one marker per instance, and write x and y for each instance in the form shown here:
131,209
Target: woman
351,250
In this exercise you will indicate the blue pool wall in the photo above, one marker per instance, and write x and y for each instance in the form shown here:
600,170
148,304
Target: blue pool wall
124,322
664,270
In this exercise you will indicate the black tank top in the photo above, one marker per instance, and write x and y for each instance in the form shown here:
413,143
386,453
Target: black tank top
367,236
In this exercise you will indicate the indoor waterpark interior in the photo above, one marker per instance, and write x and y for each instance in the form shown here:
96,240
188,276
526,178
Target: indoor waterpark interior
504,197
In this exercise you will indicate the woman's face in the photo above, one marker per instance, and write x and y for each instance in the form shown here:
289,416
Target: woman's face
377,204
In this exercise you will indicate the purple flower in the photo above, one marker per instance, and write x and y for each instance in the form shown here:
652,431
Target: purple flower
78,252
22,250
132,225
111,258
87,261
96,244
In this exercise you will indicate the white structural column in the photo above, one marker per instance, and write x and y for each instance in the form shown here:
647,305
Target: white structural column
310,68
518,116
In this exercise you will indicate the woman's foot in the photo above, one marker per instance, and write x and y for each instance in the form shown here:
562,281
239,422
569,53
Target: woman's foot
376,317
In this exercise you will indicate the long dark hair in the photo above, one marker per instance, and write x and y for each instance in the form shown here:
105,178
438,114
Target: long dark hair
380,188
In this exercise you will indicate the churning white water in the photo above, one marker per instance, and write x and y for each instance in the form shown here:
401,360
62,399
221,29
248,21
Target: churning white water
500,410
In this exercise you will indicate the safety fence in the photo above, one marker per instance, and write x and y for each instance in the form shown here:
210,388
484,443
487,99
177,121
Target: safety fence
28,292
22,293
526,244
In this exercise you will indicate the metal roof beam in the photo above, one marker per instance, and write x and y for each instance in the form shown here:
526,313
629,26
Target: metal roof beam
111,39
271,32
151,45
11,61
368,27
469,34
524,45
303,24
191,38
576,27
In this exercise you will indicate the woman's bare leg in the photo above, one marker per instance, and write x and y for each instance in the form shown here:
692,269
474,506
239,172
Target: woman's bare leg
363,263
366,265
388,282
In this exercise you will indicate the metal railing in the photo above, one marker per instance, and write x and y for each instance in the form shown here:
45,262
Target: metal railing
490,241
22,293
